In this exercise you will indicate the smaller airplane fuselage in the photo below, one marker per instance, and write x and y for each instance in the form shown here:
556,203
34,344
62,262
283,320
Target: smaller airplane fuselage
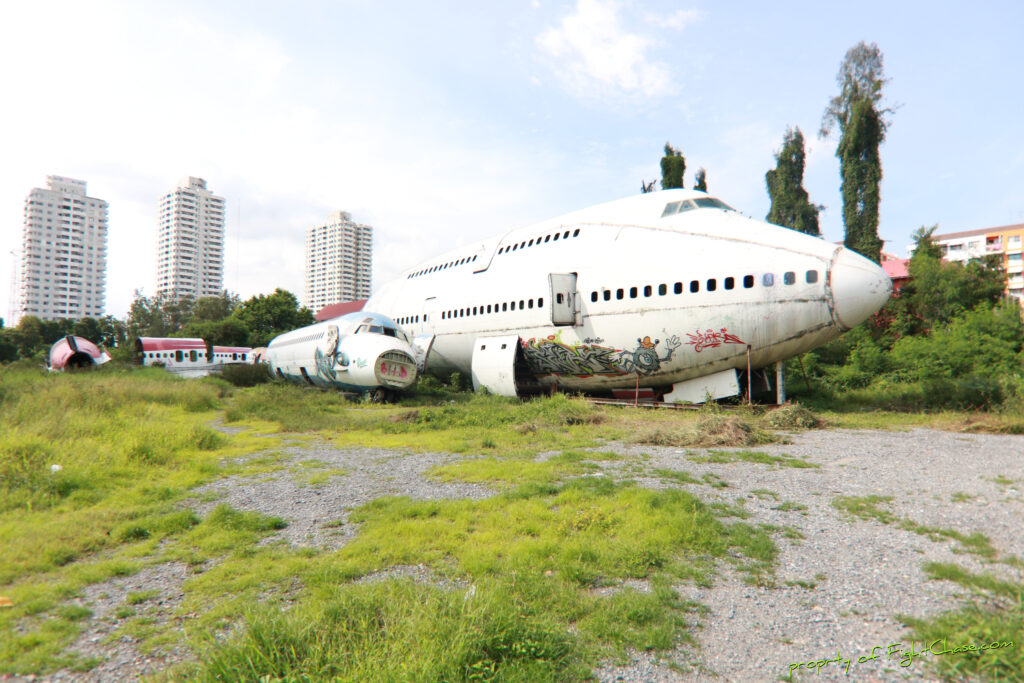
360,352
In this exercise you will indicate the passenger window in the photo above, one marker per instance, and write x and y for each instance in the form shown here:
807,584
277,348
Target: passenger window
530,243
488,308
529,303
632,292
474,310
789,277
694,286
540,302
607,295
730,283
514,247
712,285
748,281
566,235
662,290
768,279
812,277
619,294
522,304
647,290
593,296
556,236
678,288
576,232
178,356
547,239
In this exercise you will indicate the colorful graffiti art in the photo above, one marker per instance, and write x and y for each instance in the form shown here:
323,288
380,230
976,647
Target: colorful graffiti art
325,365
645,358
551,356
712,339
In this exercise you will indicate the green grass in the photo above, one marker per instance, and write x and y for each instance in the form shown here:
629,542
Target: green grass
129,446
993,612
870,508
132,445
757,457
531,555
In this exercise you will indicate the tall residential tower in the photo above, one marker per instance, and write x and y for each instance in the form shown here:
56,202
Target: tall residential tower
190,246
64,252
339,261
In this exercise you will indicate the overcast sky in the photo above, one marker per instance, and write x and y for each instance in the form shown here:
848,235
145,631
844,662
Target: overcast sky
440,123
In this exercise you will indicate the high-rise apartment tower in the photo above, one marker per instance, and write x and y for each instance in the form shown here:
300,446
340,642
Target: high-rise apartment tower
339,261
190,245
64,252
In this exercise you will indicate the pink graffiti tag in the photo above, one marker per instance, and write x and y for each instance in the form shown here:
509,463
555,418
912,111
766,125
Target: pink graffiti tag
711,339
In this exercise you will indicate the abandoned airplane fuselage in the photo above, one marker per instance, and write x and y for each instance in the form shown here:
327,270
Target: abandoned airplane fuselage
659,290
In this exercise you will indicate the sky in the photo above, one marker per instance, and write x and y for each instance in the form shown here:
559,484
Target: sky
446,122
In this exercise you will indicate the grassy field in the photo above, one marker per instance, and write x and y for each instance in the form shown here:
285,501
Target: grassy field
97,471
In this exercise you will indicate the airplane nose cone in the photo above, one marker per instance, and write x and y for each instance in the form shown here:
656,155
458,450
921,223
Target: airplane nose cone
859,288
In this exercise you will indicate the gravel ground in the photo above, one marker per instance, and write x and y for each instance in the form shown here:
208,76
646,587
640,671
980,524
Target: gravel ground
863,573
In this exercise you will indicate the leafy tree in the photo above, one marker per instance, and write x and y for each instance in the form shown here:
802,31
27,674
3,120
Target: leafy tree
215,308
700,181
112,332
159,316
790,204
227,332
673,165
862,125
271,315
8,345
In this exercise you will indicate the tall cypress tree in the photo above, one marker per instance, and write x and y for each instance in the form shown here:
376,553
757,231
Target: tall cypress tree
862,124
700,181
790,204
673,165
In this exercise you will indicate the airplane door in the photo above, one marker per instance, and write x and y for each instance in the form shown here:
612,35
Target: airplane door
564,299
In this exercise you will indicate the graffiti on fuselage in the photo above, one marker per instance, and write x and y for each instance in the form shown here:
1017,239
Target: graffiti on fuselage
325,365
712,339
551,356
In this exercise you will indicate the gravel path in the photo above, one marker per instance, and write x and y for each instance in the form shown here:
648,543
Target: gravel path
863,573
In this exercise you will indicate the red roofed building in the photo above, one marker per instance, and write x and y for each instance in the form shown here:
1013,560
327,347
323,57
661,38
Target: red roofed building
898,271
335,310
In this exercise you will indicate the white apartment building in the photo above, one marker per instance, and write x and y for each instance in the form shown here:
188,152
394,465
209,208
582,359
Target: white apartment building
339,261
1007,241
64,252
190,244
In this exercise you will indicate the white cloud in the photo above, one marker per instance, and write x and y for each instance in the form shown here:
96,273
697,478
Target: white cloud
677,21
593,53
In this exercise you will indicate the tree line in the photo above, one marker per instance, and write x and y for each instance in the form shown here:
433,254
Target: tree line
862,120
221,320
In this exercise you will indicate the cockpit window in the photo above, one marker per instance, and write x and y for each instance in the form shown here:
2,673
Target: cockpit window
711,203
673,208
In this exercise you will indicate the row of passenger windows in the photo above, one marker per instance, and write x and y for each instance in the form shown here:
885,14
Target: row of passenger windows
299,340
711,285
524,304
409,320
540,240
434,269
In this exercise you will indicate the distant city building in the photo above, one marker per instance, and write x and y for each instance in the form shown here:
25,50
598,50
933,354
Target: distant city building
1004,241
190,245
339,261
64,252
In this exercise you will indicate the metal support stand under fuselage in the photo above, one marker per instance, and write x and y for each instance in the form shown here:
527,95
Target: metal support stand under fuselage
780,383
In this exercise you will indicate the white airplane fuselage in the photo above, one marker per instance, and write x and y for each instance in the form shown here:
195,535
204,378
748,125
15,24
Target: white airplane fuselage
652,289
